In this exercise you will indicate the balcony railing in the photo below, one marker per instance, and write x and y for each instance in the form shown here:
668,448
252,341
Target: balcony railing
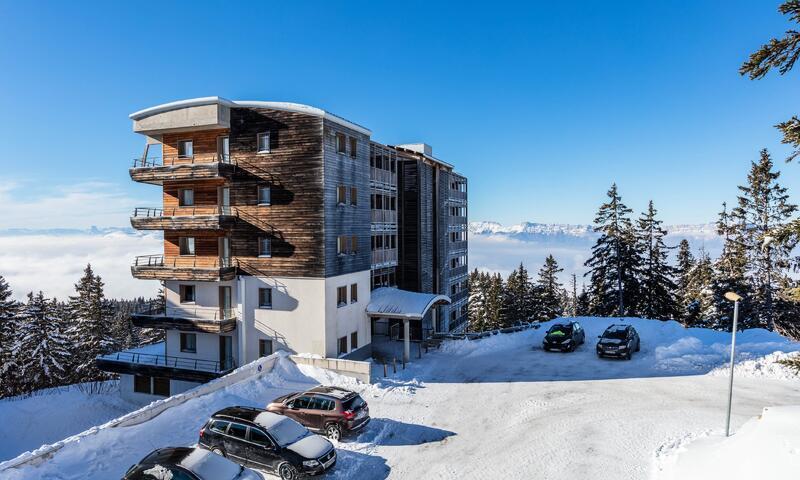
384,256
383,177
189,268
457,220
185,261
456,194
158,309
458,246
193,211
168,161
199,319
384,216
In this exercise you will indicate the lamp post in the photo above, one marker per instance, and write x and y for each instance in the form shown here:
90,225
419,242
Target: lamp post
735,299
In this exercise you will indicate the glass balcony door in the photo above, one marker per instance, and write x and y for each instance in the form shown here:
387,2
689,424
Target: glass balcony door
224,302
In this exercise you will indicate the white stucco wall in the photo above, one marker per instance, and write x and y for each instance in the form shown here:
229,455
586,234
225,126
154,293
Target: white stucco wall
342,321
126,390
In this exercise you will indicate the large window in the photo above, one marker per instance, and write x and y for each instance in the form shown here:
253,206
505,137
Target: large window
264,247
354,293
264,195
161,386
186,245
185,197
341,143
353,196
342,244
185,148
341,194
189,342
353,147
264,347
264,298
341,296
342,345
263,142
187,293
141,384
353,340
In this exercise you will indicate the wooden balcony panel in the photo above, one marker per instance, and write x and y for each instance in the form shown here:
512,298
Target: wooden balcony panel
158,174
183,323
188,268
184,218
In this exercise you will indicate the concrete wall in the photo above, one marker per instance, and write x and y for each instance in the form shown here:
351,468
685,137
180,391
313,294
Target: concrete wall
207,346
342,321
206,302
189,118
127,393
351,368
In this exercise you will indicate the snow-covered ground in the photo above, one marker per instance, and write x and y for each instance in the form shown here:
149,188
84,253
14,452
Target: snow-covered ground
498,408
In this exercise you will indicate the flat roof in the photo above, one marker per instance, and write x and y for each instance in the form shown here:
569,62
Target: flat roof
285,106
392,302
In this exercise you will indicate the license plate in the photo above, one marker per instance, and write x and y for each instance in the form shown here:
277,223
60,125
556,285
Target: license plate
329,462
361,414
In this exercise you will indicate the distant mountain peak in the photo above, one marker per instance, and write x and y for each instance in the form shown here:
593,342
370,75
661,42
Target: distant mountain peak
533,229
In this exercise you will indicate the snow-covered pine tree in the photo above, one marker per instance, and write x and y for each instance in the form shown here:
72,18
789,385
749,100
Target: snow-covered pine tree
614,264
90,333
763,207
698,296
516,296
657,289
551,290
42,350
684,263
583,308
730,275
476,315
9,310
494,302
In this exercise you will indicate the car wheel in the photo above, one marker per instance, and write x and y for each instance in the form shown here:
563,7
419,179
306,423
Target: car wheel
628,355
333,432
287,471
218,452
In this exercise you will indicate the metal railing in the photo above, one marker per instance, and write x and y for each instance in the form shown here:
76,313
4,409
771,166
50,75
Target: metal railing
384,255
168,161
385,177
187,261
458,246
157,309
192,211
384,216
169,361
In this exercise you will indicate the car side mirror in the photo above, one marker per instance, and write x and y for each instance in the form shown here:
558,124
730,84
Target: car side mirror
599,336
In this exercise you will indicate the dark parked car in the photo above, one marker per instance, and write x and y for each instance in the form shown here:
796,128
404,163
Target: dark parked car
618,341
267,441
332,411
184,463
564,337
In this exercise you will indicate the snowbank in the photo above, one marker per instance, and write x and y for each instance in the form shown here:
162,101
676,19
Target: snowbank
767,446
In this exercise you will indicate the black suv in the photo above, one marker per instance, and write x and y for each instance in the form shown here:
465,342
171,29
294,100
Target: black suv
184,463
267,441
564,337
618,341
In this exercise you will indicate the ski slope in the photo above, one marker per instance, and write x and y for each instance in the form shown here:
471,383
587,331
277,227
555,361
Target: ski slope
498,408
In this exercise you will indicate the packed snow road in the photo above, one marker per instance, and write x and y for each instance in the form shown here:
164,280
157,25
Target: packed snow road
499,408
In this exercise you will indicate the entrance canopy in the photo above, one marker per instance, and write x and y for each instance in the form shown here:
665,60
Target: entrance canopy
389,302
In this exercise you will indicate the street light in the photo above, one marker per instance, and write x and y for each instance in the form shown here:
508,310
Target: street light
735,299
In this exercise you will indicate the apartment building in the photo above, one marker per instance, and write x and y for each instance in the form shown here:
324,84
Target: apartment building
285,228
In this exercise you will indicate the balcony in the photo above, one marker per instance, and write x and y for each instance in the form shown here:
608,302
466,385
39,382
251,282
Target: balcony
380,178
184,218
200,319
156,170
384,216
384,257
457,221
146,361
456,272
460,246
197,268
457,196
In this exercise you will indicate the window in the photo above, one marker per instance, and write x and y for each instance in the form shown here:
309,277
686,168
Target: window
341,143
341,194
354,340
353,196
263,142
264,298
320,403
223,149
185,197
353,147
219,426
354,293
187,293
189,342
342,345
259,437
264,195
302,402
185,149
341,296
342,246
353,245
161,386
264,347
264,247
238,431
141,384
186,245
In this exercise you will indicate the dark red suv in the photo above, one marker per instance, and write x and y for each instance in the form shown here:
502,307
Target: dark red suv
333,411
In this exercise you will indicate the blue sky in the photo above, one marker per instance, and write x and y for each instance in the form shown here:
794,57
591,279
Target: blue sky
541,105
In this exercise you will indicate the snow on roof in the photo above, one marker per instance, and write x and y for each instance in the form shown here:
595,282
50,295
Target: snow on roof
207,464
285,106
268,419
396,303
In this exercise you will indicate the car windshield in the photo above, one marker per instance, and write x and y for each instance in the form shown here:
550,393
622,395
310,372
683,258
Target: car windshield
354,403
560,330
616,334
287,431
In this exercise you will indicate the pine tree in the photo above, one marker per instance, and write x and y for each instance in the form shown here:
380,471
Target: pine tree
763,207
582,306
698,293
494,302
684,264
657,298
91,333
516,296
613,266
552,293
478,286
42,350
730,274
9,310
